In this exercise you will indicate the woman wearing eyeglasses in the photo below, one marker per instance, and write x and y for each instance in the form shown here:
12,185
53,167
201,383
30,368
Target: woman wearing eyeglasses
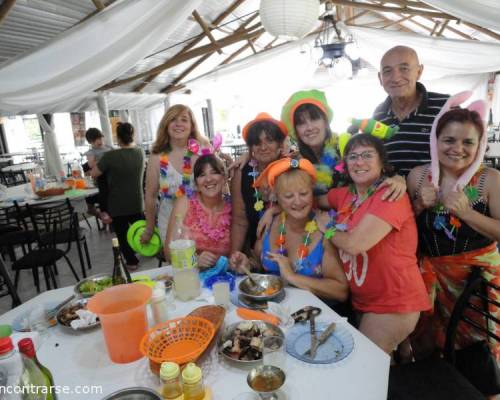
377,243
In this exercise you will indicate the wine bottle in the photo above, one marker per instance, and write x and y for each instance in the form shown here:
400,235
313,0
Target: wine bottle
36,378
120,272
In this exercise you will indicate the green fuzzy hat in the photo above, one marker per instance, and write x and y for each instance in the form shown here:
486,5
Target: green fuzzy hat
313,96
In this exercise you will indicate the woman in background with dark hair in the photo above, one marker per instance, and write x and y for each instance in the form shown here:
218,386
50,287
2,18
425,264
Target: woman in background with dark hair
206,216
457,203
264,137
124,169
377,243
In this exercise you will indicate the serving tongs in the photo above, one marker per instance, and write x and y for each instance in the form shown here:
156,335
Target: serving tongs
320,340
305,313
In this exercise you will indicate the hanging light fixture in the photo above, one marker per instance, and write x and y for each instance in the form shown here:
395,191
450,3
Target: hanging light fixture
289,19
335,50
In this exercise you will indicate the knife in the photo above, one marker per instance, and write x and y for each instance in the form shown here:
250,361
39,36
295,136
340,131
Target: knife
314,339
322,339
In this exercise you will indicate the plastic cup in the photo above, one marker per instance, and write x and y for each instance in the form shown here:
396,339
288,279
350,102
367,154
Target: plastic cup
221,293
122,312
273,351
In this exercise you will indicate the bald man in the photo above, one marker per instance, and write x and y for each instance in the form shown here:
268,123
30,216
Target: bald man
409,106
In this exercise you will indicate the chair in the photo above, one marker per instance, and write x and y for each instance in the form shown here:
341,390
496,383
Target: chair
14,231
11,290
439,378
13,178
53,224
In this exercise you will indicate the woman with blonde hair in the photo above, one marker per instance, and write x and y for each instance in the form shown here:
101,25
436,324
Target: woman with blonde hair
169,172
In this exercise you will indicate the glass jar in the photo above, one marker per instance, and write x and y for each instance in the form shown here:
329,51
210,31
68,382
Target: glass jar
192,382
170,377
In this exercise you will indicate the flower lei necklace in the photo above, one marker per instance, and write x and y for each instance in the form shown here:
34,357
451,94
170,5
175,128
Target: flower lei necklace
451,226
327,163
348,211
187,171
303,250
259,203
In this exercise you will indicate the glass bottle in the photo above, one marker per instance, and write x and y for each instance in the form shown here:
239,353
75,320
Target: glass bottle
11,367
120,272
35,375
192,382
170,376
184,263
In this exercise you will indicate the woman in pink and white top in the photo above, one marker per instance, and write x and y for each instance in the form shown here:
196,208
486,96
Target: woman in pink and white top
206,215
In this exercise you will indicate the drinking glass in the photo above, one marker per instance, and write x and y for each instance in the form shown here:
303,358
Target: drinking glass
39,322
221,293
273,351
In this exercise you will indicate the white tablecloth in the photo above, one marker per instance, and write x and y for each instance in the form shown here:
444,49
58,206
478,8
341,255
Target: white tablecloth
77,359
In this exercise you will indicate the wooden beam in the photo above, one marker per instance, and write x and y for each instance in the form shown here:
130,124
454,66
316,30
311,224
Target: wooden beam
381,8
434,29
207,32
174,89
250,43
483,30
5,7
194,42
414,4
443,26
98,4
402,27
199,51
396,22
237,52
353,18
464,35
270,44
185,73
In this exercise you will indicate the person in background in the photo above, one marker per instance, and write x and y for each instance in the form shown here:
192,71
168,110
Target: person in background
457,203
377,243
206,216
408,105
124,169
264,137
169,171
293,247
97,148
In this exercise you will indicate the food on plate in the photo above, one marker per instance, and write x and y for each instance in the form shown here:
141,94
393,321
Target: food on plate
69,314
94,286
245,342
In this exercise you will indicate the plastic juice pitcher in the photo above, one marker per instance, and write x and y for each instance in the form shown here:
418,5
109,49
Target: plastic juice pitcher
122,311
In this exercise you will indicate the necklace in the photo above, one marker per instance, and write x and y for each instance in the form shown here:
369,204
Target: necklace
184,188
259,203
450,225
303,250
346,212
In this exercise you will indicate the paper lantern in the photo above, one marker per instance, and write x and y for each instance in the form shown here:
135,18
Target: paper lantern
289,19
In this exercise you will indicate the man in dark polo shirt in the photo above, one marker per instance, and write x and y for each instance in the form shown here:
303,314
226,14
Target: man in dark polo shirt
410,106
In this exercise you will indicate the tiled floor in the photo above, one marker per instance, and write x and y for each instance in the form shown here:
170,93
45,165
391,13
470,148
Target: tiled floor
99,243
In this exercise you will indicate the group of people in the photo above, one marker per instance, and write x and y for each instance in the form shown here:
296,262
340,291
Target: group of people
391,228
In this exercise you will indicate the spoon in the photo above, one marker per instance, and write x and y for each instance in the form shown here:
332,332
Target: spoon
257,286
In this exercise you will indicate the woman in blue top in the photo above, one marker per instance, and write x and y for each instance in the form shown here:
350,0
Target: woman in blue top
293,247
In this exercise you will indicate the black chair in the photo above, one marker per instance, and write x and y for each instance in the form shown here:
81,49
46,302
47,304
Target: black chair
440,378
14,230
54,224
7,282
13,178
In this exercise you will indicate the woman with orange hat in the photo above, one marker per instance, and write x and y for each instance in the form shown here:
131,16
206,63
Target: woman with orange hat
264,137
293,247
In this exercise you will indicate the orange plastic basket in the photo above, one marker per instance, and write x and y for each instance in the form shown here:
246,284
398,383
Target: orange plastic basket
179,340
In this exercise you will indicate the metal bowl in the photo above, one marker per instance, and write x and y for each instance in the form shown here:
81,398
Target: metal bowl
247,289
63,310
94,278
228,334
266,379
134,393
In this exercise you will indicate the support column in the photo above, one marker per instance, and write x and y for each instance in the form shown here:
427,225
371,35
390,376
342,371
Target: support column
102,107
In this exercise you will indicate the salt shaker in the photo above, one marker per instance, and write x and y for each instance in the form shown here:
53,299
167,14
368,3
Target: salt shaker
159,304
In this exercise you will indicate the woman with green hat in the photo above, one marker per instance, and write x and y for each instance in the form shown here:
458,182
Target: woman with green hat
264,137
307,116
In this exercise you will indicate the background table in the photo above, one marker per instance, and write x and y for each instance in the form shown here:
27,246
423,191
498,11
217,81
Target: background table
20,167
81,359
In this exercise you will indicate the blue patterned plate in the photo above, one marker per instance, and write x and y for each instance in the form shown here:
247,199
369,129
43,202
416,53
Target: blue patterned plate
337,347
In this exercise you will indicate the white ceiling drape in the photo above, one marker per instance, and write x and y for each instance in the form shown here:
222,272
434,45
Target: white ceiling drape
485,13
70,67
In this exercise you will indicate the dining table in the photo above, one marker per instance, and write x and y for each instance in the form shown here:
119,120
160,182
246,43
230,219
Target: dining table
79,359
27,166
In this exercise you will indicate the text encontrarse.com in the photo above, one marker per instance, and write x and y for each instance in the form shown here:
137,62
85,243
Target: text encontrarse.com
33,389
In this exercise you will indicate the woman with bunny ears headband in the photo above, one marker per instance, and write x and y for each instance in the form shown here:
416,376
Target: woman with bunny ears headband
456,202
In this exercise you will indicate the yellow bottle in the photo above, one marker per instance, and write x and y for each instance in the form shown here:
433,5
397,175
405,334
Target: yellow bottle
192,382
170,376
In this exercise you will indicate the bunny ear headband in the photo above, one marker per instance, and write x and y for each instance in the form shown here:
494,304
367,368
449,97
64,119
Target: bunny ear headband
194,146
454,101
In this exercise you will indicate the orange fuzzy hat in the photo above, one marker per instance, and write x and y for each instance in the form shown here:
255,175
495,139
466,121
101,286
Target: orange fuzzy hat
278,167
263,116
